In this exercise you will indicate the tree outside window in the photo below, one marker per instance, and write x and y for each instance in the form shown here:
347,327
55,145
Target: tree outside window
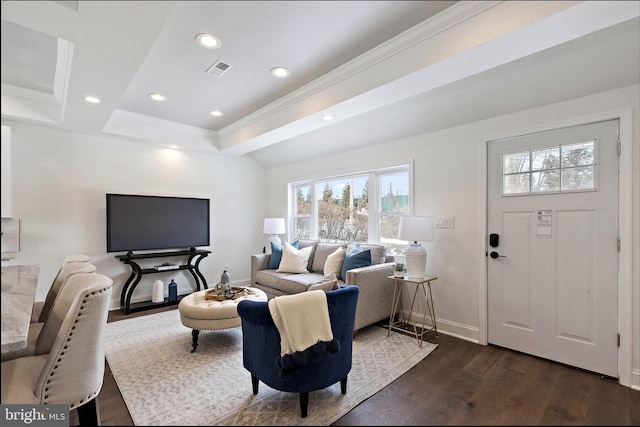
343,210
340,209
568,167
302,212
394,202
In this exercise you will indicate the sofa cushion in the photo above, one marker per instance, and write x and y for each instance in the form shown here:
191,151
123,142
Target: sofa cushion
334,262
355,260
294,283
288,283
378,252
270,278
276,254
322,252
294,260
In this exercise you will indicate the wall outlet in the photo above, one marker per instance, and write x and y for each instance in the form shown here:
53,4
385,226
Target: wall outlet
443,222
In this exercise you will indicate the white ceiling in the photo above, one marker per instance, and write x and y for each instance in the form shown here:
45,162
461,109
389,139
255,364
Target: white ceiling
384,69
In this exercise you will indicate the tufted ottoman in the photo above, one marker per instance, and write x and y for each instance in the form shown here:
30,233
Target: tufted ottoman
199,313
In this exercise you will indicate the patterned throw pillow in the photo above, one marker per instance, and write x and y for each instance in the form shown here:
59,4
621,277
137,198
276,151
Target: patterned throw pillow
294,260
334,262
276,254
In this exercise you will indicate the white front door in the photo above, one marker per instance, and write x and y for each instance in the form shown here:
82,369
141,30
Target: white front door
553,271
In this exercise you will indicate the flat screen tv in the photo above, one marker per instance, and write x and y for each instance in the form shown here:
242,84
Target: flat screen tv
137,222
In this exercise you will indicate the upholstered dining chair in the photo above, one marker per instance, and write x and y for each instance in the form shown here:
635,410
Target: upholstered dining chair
76,258
41,309
72,372
40,335
261,348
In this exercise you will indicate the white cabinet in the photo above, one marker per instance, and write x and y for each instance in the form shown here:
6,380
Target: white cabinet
7,198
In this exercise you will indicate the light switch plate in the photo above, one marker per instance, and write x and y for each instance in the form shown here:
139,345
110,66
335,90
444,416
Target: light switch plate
443,222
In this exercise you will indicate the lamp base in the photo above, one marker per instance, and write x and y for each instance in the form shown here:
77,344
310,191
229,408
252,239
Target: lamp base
416,260
274,238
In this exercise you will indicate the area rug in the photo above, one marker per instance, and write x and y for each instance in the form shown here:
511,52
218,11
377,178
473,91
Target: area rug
163,383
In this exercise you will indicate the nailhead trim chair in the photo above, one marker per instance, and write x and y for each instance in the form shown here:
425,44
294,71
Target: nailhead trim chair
42,333
73,371
76,258
41,309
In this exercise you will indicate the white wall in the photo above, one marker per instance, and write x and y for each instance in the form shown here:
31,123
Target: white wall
449,177
59,185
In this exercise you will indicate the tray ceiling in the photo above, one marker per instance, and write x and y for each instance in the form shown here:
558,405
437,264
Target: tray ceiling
383,69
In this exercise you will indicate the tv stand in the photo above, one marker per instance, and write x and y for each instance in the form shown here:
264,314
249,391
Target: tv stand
195,256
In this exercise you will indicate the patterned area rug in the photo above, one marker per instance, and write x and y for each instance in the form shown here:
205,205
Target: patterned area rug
164,384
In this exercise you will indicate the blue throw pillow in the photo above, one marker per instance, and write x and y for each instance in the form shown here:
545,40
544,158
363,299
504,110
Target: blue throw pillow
356,248
276,254
352,260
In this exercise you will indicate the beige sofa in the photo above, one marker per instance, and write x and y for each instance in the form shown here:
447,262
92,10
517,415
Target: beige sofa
376,290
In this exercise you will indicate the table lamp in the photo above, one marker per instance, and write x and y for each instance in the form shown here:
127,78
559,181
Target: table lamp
415,229
274,226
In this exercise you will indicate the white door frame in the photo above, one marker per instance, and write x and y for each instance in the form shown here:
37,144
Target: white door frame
625,301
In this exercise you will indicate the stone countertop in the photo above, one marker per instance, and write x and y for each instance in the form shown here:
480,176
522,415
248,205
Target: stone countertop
8,255
19,284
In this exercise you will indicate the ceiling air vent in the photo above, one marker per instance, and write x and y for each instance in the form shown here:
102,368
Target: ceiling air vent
219,68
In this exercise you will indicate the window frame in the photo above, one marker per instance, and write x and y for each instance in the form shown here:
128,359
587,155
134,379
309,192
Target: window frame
374,192
560,168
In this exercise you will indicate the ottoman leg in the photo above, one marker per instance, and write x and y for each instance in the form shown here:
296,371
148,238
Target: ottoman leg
194,339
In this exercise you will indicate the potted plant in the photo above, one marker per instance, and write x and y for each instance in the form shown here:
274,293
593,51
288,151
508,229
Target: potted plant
398,270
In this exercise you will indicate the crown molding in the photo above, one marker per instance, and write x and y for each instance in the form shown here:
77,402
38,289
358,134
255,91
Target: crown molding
425,30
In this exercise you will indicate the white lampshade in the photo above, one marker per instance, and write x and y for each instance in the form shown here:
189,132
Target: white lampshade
416,229
274,226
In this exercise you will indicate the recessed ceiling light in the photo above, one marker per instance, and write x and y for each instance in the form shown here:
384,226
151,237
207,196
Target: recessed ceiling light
208,40
92,99
327,117
216,113
280,72
157,97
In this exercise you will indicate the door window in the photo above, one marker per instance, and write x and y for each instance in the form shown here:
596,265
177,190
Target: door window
569,167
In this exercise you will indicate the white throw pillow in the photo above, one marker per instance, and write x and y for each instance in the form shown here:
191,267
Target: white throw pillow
334,262
294,260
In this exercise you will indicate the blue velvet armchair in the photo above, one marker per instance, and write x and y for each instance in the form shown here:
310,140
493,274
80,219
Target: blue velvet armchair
261,348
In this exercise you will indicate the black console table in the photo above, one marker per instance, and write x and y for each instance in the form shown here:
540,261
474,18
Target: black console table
195,256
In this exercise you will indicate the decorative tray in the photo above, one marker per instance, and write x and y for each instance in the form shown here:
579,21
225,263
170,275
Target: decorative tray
236,292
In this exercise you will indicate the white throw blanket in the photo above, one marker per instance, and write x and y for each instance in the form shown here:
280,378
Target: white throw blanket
302,320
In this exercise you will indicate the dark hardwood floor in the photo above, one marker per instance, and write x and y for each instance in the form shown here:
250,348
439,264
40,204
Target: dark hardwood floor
462,383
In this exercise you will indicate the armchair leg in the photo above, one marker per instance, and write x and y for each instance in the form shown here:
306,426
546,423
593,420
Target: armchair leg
343,385
304,404
89,413
254,382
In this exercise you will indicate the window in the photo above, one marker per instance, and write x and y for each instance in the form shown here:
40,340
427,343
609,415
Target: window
302,211
570,167
394,202
361,207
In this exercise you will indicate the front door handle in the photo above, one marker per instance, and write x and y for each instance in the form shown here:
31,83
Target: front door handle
495,255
